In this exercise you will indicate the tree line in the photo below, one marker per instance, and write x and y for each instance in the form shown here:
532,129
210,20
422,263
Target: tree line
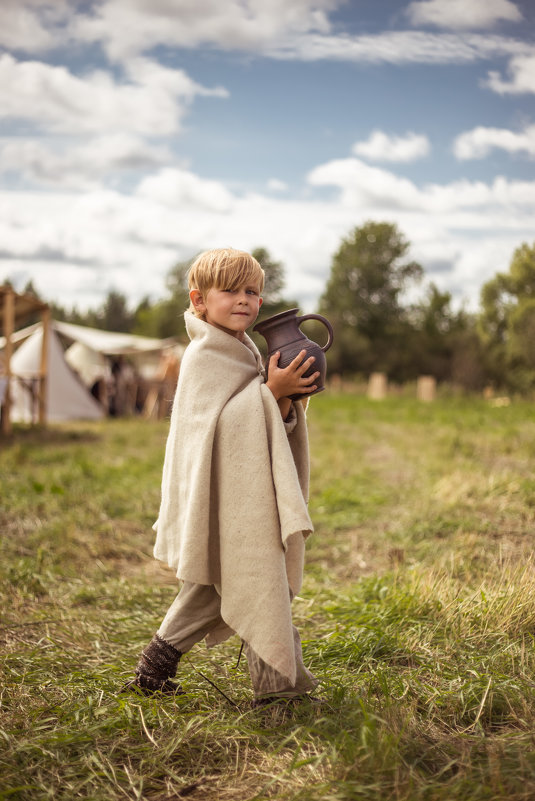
376,327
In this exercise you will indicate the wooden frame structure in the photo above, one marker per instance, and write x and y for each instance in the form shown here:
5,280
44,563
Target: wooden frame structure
15,308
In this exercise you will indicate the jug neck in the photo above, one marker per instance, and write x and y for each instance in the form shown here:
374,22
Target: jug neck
281,330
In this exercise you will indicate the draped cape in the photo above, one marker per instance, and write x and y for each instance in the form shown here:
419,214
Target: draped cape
234,496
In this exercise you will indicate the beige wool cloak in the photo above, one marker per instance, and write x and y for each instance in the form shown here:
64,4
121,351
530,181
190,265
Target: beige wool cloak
234,492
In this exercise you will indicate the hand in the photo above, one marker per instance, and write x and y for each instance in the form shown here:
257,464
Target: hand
290,380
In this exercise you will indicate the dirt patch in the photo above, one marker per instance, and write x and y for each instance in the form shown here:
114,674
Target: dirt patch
388,463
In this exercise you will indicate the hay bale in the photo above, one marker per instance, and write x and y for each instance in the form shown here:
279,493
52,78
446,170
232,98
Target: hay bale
426,388
377,386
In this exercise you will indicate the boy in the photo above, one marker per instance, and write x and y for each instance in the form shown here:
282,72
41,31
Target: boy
233,514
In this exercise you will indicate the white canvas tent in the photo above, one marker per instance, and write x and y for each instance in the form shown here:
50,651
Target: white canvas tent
88,363
111,343
66,397
72,373
14,309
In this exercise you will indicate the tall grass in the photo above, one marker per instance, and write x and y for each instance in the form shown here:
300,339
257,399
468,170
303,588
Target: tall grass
418,614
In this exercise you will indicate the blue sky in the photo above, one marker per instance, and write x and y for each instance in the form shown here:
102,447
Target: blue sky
135,133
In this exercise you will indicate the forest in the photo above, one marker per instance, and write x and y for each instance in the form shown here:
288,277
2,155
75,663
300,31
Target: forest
377,327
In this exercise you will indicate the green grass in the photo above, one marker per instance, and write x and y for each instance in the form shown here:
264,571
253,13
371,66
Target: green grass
417,612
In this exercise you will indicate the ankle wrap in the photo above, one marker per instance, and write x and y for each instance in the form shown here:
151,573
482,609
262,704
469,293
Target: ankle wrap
157,663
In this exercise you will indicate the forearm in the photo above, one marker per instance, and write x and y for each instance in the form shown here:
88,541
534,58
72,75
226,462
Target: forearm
285,405
288,382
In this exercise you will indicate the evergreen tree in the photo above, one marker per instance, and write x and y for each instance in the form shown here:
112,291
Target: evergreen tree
444,343
274,276
507,322
165,318
114,315
369,273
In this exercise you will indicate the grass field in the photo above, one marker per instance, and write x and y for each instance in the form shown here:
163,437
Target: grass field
417,613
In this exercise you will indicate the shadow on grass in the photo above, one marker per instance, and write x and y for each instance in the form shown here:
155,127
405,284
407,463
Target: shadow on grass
47,435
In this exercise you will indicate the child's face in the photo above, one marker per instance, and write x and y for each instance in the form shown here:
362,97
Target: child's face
231,310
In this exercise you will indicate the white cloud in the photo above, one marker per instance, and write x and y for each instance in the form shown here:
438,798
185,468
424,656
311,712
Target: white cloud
462,14
176,188
300,30
78,166
152,100
478,143
382,147
87,236
397,47
470,228
361,185
276,185
131,242
522,70
126,28
31,24
462,203
100,240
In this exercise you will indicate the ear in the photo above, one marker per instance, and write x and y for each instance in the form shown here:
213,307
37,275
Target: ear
197,300
260,301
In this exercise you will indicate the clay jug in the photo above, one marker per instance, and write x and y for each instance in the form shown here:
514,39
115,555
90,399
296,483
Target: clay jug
282,333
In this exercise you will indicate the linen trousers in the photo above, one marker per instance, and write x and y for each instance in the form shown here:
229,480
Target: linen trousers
196,611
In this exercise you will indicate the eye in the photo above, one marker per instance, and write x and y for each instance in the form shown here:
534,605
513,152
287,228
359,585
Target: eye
252,292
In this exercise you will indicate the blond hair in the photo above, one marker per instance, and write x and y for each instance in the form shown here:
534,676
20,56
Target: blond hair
223,268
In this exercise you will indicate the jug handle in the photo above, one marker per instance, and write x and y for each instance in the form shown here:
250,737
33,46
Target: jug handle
325,322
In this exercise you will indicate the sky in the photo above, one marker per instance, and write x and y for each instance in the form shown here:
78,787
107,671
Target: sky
136,133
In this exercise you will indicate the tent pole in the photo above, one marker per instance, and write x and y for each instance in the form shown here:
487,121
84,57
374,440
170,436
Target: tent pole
43,371
9,324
